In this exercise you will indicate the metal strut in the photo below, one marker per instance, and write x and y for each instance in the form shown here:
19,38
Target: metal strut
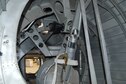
102,43
88,46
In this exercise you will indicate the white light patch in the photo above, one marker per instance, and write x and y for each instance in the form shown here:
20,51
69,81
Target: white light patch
41,25
46,32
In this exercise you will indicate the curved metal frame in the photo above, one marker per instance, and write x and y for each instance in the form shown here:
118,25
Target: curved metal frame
119,9
108,8
9,21
8,59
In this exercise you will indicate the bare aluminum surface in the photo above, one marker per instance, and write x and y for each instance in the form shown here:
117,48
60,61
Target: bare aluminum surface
8,61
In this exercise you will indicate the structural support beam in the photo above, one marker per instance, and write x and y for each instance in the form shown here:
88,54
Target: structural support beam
88,47
102,44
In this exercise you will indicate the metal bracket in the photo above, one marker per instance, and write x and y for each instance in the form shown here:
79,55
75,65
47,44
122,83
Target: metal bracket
68,15
37,39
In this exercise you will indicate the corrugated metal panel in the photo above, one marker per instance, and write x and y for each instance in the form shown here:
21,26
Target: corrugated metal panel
116,44
109,33
123,5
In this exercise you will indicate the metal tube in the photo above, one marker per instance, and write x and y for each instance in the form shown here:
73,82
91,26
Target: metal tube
88,46
71,51
102,43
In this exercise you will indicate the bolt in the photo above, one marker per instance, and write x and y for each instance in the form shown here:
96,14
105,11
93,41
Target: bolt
35,37
31,31
40,45
22,35
69,23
